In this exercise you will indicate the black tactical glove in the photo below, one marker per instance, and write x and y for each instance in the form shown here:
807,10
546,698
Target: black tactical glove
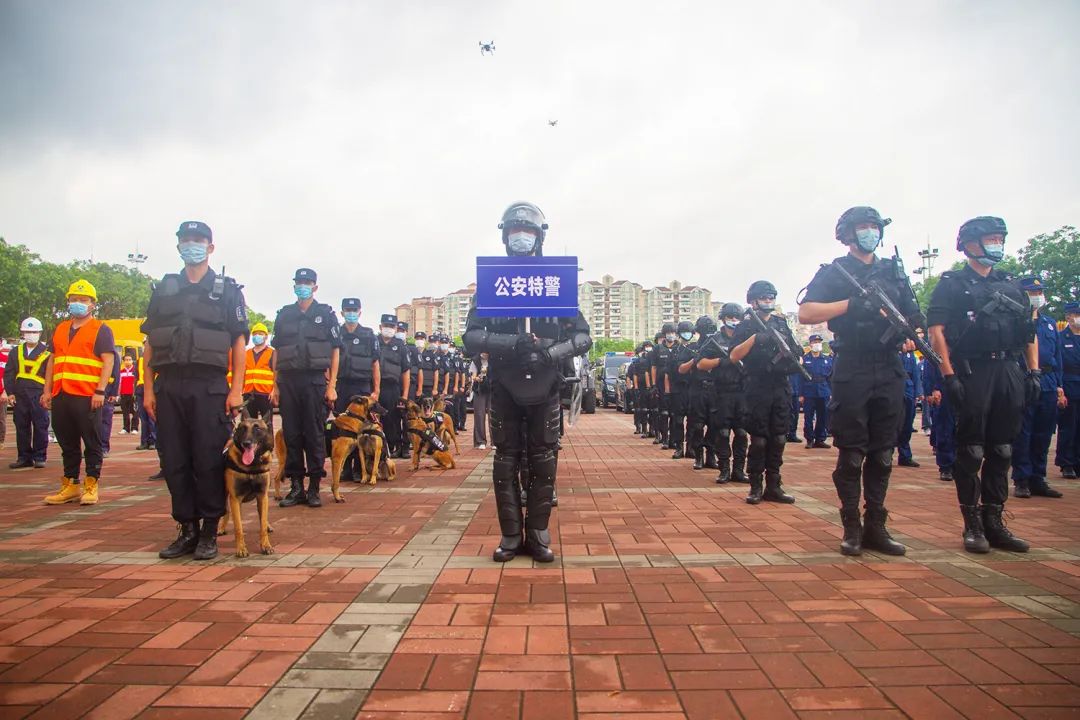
954,390
862,309
1033,386
765,341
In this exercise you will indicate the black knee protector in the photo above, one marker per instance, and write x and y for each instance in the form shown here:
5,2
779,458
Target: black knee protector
542,466
504,473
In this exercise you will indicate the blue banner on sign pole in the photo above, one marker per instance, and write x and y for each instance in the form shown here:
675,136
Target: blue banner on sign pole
527,286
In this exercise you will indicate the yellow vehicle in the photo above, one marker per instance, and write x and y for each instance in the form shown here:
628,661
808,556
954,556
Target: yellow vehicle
127,337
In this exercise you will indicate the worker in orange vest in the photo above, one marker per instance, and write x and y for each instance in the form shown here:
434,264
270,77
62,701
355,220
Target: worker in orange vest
75,380
259,375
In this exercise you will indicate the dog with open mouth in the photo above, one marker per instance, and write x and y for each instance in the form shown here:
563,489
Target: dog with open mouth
425,440
247,478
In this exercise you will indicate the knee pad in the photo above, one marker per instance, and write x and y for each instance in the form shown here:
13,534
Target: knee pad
849,460
882,458
759,442
972,454
1002,452
504,466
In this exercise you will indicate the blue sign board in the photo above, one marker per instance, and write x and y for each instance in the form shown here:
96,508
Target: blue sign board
527,286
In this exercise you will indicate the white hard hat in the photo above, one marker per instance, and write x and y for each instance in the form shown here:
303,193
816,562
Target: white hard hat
30,324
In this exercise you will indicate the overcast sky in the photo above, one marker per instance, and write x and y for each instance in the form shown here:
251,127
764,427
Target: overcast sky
714,143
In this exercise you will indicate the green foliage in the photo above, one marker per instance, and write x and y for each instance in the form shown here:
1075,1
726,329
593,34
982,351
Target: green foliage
254,316
1055,257
605,345
923,290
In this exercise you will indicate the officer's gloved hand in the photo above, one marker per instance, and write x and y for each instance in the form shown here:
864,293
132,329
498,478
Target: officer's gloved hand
765,341
1033,386
862,309
954,390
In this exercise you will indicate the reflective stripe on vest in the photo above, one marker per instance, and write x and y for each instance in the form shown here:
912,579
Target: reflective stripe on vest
76,370
139,381
258,377
31,369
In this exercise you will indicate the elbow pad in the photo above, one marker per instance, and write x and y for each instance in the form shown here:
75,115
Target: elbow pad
498,345
578,344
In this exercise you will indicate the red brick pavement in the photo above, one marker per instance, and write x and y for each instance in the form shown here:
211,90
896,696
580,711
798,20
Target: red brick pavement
672,599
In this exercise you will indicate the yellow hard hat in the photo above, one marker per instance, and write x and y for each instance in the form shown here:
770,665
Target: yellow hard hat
259,327
82,287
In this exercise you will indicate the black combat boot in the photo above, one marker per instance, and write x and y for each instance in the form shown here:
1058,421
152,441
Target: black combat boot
974,538
710,460
207,547
699,458
756,489
1041,488
852,542
295,495
997,534
313,499
185,542
739,475
945,474
678,454
504,476
774,490
542,468
725,473
1069,473
876,536
1022,489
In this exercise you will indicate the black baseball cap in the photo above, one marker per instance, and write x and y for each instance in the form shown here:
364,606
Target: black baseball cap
388,319
350,303
420,335
306,275
195,227
402,325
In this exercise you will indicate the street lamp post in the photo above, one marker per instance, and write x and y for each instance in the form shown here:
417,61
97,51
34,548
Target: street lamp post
928,256
137,258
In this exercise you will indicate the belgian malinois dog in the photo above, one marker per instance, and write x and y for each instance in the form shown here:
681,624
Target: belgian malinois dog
247,477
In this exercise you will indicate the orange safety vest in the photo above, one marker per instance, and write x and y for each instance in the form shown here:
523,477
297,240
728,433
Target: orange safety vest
76,369
258,377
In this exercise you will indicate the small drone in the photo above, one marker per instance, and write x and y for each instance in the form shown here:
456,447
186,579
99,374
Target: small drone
553,123
487,47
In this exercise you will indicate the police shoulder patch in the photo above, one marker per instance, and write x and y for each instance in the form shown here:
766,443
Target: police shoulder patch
318,319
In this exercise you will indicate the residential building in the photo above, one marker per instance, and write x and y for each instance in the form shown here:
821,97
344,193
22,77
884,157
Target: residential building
674,303
613,308
438,314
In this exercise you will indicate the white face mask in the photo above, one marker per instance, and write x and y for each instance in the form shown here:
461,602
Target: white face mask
452,351
1037,301
32,338
521,242
387,332
731,324
670,337
420,344
399,336
1075,321
815,347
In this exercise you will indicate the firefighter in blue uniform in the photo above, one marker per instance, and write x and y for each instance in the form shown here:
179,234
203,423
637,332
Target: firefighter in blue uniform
24,379
943,427
913,393
1067,454
815,393
1032,445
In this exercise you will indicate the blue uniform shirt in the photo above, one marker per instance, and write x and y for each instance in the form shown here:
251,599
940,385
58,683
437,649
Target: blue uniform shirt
820,369
913,386
1070,357
1050,352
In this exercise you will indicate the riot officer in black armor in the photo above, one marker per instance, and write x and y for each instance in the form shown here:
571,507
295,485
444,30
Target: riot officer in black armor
727,413
644,387
768,392
307,342
395,376
981,325
663,355
195,317
867,401
525,372
629,391
700,396
679,398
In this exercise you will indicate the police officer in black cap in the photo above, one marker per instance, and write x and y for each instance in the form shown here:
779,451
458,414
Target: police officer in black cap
460,384
727,418
395,376
867,403
642,389
768,392
307,344
359,370
679,398
701,396
981,324
194,319
525,370
427,365
663,355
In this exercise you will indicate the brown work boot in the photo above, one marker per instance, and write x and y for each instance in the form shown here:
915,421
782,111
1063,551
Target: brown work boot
69,492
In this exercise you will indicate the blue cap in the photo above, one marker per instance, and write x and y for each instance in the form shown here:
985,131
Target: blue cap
350,303
1031,283
1072,307
388,319
196,228
815,338
306,275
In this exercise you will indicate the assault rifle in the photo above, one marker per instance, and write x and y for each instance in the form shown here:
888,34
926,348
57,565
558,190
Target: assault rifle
783,349
898,324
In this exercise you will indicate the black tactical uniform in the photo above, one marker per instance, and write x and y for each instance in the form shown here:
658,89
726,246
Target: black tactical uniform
305,342
867,404
629,393
988,326
768,398
679,399
359,355
395,370
461,378
728,411
191,328
427,361
646,400
663,354
702,399
524,370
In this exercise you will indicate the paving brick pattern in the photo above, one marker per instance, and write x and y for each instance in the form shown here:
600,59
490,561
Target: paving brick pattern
671,598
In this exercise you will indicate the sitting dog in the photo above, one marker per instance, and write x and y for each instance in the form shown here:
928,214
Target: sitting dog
247,477
442,422
424,438
358,428
279,457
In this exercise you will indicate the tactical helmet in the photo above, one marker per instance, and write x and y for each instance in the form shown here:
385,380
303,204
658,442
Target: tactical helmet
760,288
685,326
845,226
734,310
705,326
976,228
667,328
657,336
524,215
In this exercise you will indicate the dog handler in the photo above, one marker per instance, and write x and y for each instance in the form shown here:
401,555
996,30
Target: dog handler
194,319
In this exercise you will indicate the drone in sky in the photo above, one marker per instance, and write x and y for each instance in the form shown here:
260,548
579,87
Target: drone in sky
553,123
487,47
